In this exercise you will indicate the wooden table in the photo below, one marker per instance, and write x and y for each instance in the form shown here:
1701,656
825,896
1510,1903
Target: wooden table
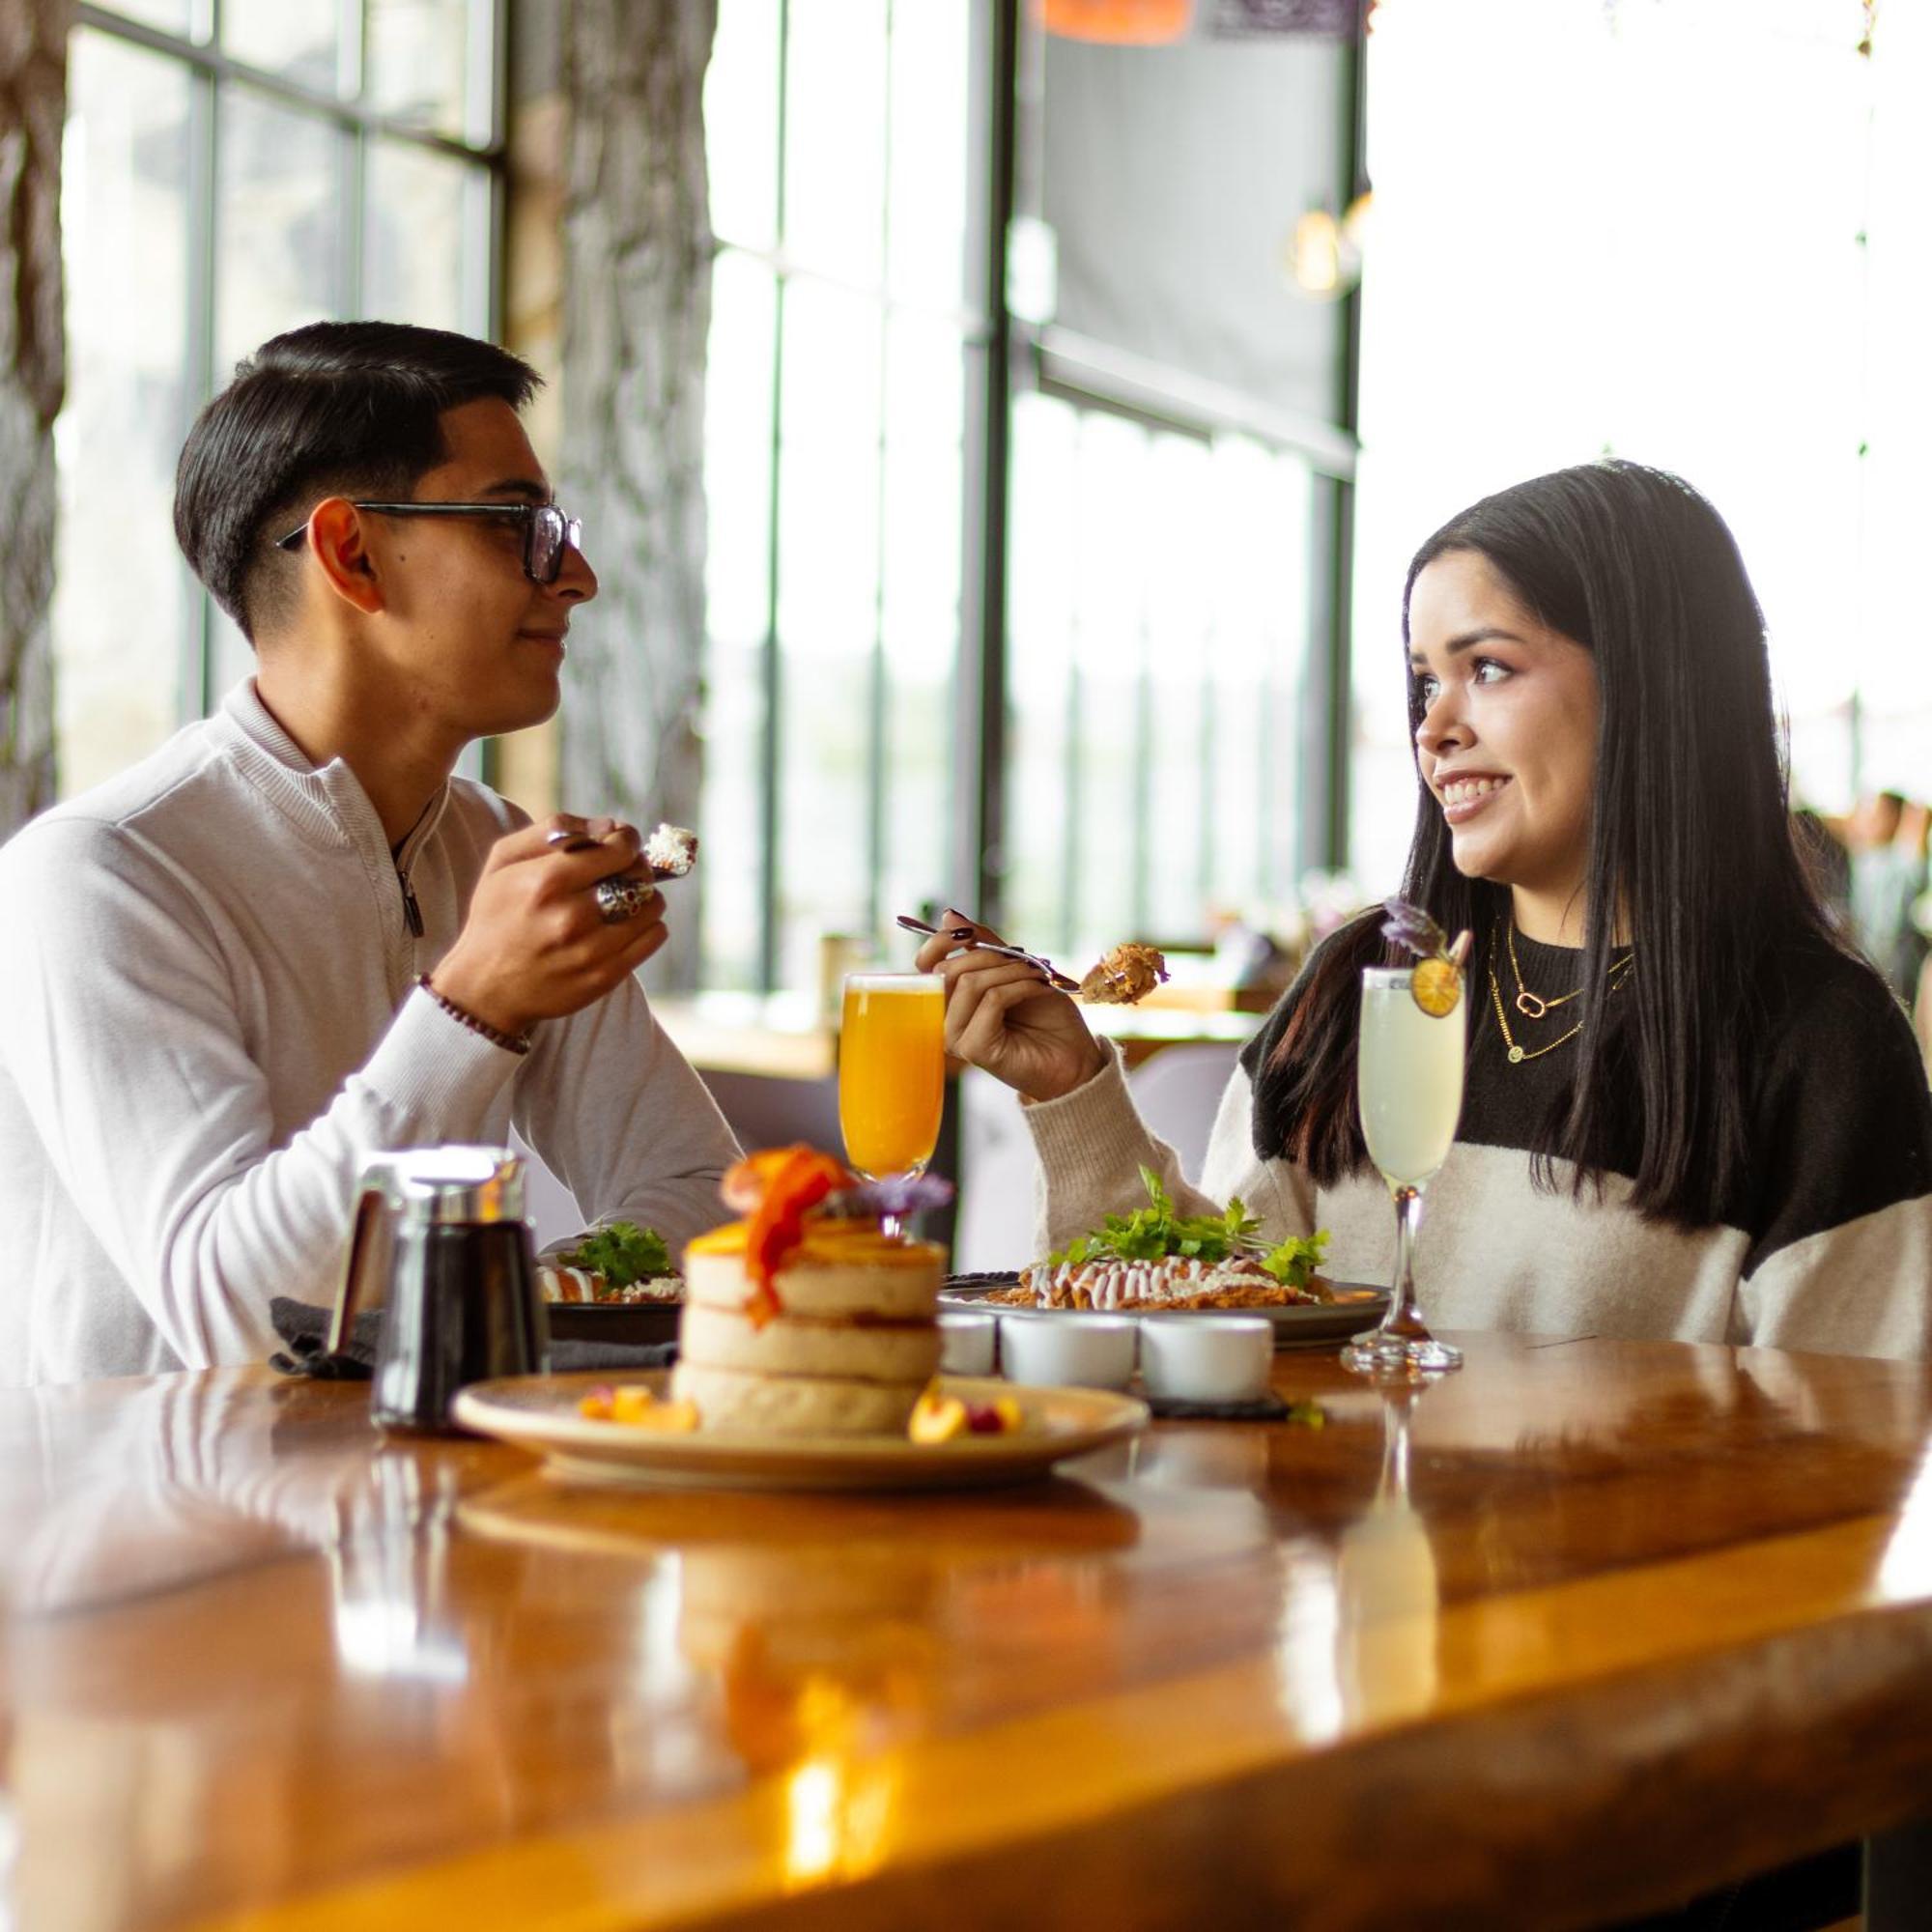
1643,1617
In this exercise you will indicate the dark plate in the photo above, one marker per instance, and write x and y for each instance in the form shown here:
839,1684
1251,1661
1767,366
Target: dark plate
1296,1325
613,1321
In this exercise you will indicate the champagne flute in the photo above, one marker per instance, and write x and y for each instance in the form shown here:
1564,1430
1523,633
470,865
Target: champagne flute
1408,1083
891,1074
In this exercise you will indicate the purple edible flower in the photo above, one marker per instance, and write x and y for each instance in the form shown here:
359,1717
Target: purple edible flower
896,1197
1410,926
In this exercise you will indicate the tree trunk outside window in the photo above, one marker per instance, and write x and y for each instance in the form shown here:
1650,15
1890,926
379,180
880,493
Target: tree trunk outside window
636,308
33,106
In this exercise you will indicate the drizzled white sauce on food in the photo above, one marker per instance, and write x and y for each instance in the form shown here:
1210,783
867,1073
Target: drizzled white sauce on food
1119,1283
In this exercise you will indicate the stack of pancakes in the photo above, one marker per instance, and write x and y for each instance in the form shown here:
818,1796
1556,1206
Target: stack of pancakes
855,1342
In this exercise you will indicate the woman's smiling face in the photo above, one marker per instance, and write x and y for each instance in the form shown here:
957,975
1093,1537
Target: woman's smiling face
1508,738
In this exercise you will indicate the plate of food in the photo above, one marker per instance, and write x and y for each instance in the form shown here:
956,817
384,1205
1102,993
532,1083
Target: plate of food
615,1284
635,1434
1158,1262
808,1344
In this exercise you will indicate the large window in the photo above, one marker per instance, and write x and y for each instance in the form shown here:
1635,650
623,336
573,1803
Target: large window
231,171
839,141
1161,604
1693,235
1156,572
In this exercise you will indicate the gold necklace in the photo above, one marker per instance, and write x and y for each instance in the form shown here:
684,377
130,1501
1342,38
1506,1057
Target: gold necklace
1532,1006
1519,1054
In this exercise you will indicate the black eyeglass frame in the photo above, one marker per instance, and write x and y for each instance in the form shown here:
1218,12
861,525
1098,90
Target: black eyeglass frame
564,532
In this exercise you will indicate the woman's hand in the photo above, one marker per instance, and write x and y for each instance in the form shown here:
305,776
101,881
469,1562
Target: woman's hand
1002,1016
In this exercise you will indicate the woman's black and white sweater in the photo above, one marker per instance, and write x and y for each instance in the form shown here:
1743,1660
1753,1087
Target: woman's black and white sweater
1829,1247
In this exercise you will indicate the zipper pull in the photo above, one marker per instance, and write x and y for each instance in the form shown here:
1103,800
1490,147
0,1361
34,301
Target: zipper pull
411,912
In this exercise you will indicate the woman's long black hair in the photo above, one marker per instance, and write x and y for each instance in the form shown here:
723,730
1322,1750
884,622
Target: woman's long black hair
1690,833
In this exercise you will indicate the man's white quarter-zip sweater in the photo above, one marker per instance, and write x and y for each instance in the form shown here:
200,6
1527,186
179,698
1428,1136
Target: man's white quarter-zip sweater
209,1017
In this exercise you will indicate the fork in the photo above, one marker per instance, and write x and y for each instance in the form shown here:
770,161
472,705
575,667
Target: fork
1057,978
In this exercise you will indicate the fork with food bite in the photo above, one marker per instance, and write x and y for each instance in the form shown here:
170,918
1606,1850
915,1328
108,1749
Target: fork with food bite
669,851
1126,974
966,936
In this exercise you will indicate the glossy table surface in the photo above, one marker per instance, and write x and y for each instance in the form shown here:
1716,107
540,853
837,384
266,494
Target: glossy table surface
1585,1628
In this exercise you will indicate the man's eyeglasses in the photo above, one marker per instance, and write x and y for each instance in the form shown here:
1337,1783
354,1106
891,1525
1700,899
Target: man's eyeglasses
547,531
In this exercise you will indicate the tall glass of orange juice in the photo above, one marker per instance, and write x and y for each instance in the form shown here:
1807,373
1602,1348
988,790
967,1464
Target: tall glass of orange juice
891,1070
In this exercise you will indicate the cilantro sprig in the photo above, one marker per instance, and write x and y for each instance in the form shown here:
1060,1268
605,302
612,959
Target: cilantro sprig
1297,1259
622,1253
1151,1233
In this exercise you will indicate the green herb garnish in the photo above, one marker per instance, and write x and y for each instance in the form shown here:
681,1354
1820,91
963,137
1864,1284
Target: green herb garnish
1297,1259
622,1253
1150,1232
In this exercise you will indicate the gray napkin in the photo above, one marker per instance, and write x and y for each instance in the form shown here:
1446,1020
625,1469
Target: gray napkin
304,1327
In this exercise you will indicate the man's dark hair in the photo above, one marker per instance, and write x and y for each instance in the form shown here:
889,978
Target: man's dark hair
333,409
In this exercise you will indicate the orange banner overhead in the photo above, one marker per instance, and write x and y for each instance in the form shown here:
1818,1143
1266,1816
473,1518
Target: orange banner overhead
1137,23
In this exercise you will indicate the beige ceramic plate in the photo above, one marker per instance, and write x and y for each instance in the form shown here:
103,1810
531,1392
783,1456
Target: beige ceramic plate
539,1413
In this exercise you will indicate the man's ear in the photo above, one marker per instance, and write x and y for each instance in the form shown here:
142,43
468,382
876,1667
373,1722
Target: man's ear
337,540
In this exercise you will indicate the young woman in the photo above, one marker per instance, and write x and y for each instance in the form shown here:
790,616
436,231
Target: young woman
1688,1112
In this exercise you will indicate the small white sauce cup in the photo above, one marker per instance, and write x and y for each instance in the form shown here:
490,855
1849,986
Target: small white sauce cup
1053,1351
1207,1357
966,1344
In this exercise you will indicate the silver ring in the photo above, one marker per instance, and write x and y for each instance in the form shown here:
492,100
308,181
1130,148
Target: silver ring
623,897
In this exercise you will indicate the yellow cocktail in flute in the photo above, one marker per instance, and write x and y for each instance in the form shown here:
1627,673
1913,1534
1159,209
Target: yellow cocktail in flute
891,1070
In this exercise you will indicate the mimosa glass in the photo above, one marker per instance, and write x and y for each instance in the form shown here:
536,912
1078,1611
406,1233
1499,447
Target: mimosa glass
1408,1083
892,1072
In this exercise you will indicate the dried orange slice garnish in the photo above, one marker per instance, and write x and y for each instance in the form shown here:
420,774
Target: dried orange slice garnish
1436,986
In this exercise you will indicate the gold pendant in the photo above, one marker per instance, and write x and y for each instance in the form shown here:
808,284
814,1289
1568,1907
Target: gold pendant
1529,1006
1516,1054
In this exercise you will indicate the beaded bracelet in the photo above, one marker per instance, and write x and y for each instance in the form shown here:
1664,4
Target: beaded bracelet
510,1042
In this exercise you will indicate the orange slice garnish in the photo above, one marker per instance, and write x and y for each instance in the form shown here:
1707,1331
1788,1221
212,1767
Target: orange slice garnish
1437,987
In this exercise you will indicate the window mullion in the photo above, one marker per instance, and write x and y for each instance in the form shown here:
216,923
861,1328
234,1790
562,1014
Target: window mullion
773,747
977,861
197,683
879,705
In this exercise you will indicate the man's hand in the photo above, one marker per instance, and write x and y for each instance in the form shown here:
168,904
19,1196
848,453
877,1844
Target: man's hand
1002,1015
535,946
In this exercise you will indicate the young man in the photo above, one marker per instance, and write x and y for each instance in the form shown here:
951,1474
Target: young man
291,937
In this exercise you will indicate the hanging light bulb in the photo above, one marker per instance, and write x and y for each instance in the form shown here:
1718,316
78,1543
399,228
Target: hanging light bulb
1315,254
1322,257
